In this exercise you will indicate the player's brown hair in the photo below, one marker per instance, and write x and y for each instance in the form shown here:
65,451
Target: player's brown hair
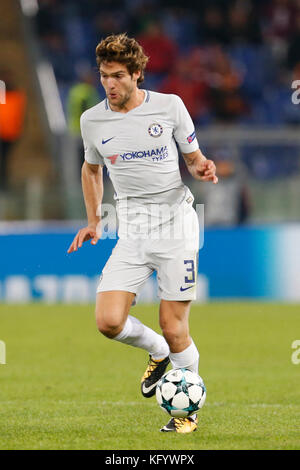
120,48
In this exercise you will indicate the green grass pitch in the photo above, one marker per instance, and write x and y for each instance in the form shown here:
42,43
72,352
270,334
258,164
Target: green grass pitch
65,386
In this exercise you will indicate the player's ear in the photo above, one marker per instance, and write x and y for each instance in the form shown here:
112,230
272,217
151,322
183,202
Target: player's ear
136,75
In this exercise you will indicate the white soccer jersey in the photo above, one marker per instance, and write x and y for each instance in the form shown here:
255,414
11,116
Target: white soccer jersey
139,150
139,147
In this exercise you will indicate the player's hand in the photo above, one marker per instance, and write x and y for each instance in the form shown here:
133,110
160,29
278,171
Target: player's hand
206,171
85,234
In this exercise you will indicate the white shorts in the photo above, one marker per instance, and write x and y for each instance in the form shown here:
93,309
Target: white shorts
175,259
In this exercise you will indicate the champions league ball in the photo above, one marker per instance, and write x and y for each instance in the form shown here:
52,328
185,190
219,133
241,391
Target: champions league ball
180,393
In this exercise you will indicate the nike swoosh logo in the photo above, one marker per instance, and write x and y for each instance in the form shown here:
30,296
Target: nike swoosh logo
148,389
107,140
185,288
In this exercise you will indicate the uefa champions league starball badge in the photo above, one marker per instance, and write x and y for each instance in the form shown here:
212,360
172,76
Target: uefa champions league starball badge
155,130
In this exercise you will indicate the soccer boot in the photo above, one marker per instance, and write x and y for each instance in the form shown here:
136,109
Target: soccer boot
181,425
153,373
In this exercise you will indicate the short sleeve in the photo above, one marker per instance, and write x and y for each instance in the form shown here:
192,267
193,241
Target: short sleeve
91,154
184,131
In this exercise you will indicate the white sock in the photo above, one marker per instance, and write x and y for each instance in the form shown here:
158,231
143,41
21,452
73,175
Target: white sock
138,335
188,358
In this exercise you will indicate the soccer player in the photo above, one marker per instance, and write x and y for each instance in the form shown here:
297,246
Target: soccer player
134,133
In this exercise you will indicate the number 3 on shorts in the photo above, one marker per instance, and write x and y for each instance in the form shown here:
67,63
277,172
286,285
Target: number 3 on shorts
190,269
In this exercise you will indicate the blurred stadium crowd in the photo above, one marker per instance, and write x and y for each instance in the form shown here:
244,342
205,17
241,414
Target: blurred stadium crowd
230,60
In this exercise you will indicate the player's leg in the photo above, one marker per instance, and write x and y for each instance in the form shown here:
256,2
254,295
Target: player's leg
176,261
112,309
113,321
174,322
177,286
121,279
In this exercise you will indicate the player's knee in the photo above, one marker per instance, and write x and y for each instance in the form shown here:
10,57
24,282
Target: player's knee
175,335
109,327
171,333
170,328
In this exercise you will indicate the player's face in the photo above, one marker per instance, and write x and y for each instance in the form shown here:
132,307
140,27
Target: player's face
118,83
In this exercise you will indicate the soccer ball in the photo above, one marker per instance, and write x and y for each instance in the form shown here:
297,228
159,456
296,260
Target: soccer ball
180,393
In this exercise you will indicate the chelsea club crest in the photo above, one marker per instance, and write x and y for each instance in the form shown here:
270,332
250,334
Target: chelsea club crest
155,130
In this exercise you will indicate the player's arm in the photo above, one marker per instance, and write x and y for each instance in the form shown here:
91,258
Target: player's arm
92,187
200,167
